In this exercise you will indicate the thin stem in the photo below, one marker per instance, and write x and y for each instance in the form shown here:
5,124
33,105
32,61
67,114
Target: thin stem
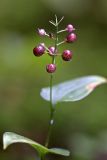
52,107
42,156
51,22
52,111
61,31
56,40
61,20
61,43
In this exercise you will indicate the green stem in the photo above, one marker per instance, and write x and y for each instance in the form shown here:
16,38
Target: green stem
42,156
60,43
52,108
61,31
52,111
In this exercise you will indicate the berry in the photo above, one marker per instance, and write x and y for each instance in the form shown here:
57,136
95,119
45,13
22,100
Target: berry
51,50
51,68
67,55
70,28
71,38
39,50
41,32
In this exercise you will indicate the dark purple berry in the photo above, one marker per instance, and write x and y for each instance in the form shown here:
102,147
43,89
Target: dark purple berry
70,28
39,50
51,50
67,55
71,38
51,68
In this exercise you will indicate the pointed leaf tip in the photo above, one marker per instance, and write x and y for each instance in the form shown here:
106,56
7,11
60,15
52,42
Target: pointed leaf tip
60,151
73,90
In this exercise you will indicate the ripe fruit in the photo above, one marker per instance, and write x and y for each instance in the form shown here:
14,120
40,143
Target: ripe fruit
71,38
67,55
70,28
51,68
39,50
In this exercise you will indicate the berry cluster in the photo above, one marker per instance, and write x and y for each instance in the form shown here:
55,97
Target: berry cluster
53,50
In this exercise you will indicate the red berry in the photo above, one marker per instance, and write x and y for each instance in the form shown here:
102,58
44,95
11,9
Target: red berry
51,68
39,50
67,55
71,37
70,28
51,50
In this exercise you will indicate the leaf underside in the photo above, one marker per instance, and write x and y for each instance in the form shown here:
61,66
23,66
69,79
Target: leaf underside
10,138
73,90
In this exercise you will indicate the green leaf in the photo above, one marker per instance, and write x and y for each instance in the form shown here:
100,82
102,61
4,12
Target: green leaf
10,138
60,151
73,90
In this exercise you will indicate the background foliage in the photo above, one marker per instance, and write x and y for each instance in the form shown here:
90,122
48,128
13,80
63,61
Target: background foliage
80,126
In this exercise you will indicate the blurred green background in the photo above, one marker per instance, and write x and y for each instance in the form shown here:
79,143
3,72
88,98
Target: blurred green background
80,126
